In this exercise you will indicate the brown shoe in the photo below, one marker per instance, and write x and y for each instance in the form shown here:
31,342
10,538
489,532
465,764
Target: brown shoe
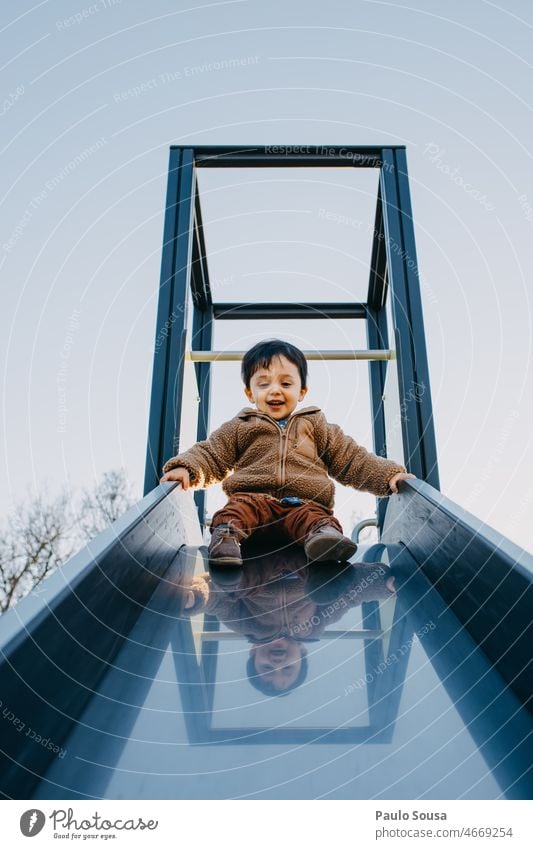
224,548
327,543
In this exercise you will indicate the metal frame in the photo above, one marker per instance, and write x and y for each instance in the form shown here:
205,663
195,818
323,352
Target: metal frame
393,273
58,644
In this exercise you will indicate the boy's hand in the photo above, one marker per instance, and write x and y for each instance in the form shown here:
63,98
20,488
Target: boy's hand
179,474
189,600
399,476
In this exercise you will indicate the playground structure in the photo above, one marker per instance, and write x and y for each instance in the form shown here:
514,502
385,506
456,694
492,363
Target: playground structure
104,666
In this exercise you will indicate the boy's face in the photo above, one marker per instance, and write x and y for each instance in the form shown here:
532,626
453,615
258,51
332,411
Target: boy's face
279,662
276,390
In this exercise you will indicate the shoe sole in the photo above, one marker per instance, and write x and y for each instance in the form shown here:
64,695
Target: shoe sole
323,548
225,561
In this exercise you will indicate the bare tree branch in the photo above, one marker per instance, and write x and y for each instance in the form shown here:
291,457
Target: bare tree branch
104,503
43,532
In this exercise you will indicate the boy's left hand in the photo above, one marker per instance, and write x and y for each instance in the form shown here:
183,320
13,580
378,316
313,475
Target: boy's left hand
399,476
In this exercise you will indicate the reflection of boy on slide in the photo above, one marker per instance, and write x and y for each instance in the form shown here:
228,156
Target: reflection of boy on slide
280,604
281,461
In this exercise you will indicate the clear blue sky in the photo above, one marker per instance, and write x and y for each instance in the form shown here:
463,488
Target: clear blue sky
94,94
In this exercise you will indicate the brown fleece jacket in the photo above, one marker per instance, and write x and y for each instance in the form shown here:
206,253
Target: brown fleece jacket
296,460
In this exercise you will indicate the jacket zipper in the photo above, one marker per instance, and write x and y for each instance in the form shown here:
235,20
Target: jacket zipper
283,433
284,444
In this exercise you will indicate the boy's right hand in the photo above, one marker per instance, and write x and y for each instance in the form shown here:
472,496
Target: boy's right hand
179,474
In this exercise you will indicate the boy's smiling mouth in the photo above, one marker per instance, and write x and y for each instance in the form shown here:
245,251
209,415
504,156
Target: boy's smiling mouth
275,406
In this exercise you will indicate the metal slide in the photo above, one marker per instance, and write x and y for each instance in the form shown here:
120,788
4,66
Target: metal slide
110,690
112,686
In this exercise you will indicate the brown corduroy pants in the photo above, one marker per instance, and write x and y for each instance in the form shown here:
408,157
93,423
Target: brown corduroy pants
249,512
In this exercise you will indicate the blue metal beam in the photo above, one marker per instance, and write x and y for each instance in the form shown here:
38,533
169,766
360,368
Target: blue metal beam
276,311
377,283
169,355
202,336
423,400
418,433
283,156
180,296
160,376
378,338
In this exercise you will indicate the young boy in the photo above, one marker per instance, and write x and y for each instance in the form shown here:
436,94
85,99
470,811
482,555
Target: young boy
276,463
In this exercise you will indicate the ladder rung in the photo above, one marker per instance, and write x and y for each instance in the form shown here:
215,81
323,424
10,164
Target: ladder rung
368,634
236,356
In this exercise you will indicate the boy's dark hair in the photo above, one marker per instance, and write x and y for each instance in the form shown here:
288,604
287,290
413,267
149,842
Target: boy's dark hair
261,355
266,687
